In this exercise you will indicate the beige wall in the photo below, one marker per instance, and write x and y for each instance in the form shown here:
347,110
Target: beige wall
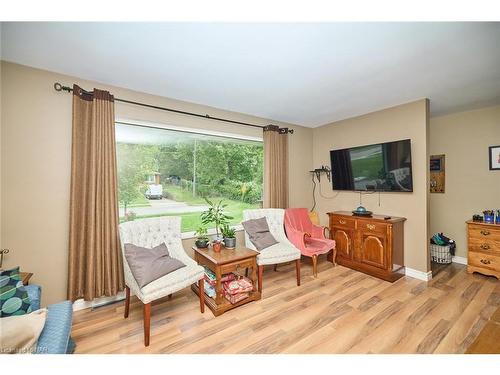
470,186
401,122
35,164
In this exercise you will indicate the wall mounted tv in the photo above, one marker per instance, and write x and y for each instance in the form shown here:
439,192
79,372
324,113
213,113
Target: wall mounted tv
378,167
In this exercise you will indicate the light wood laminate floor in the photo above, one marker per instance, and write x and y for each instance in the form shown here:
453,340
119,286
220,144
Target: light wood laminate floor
342,311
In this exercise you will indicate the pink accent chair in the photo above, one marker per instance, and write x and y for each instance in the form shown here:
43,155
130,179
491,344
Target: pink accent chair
307,237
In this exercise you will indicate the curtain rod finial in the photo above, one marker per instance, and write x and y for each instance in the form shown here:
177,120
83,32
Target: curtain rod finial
57,86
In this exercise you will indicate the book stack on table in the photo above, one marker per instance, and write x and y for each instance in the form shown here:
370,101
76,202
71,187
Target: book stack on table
236,287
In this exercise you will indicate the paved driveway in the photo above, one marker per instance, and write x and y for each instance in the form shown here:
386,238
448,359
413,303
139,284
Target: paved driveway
164,206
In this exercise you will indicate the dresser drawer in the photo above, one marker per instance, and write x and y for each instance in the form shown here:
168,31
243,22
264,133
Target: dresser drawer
484,232
343,222
483,260
487,245
367,226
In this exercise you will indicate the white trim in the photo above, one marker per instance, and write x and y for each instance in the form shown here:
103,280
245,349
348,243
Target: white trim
416,274
459,260
159,125
82,305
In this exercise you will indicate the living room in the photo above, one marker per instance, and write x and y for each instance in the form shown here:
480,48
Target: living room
289,182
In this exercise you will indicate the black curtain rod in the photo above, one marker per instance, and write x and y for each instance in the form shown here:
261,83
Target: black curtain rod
59,87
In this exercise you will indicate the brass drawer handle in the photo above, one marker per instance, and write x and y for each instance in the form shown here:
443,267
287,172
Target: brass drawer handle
370,226
485,261
485,232
485,246
342,221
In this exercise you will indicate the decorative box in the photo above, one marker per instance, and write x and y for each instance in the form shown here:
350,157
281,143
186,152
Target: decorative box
241,285
236,297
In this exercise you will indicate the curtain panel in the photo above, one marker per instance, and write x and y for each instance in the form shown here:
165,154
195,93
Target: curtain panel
275,167
95,263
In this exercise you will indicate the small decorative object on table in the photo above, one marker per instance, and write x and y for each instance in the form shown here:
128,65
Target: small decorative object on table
489,216
361,211
229,236
497,219
477,218
217,245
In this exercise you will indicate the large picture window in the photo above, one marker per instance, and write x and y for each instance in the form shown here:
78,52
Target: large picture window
165,172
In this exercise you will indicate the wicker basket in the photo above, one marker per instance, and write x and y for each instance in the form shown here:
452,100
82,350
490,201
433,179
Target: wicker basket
440,254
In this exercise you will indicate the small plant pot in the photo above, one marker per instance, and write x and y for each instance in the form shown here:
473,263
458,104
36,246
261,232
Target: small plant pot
201,244
217,246
230,243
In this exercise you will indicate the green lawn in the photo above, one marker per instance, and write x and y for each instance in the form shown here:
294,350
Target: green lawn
191,220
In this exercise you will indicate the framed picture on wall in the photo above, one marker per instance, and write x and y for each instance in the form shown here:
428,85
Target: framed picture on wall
494,158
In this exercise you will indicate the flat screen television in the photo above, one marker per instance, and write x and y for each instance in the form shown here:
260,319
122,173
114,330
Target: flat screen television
377,167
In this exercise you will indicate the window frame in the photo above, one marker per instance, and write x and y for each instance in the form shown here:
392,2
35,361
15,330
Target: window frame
184,129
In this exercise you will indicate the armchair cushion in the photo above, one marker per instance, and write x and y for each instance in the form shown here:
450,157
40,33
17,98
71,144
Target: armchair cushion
171,283
279,253
148,265
258,233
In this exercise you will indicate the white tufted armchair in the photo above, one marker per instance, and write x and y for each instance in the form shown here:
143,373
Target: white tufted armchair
283,251
150,233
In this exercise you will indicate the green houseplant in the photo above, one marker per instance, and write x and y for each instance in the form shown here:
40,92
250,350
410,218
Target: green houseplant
202,238
216,215
229,235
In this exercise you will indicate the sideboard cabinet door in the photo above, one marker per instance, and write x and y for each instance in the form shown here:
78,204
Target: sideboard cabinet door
344,242
373,250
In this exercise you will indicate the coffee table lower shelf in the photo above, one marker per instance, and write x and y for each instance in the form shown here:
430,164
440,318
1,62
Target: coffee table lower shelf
219,309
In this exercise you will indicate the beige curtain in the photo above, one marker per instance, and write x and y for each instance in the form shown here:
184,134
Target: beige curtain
95,264
275,167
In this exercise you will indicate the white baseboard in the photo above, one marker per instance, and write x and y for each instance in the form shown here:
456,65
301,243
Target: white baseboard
459,260
416,274
81,304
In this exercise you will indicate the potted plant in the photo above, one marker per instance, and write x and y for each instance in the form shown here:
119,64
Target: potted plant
229,235
216,215
202,238
217,245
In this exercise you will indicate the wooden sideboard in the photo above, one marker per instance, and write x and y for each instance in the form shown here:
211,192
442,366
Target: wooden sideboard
373,245
484,248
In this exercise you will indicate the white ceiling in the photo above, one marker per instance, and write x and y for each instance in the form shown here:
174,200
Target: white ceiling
307,74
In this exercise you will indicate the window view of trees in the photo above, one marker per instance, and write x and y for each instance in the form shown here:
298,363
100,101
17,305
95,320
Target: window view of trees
167,172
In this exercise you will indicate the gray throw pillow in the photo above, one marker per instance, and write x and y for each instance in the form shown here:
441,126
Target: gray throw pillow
258,233
148,265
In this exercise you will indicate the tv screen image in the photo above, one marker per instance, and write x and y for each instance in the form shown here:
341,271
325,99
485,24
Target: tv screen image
377,167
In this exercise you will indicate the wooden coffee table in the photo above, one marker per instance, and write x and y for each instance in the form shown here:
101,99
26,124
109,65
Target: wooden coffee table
224,262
